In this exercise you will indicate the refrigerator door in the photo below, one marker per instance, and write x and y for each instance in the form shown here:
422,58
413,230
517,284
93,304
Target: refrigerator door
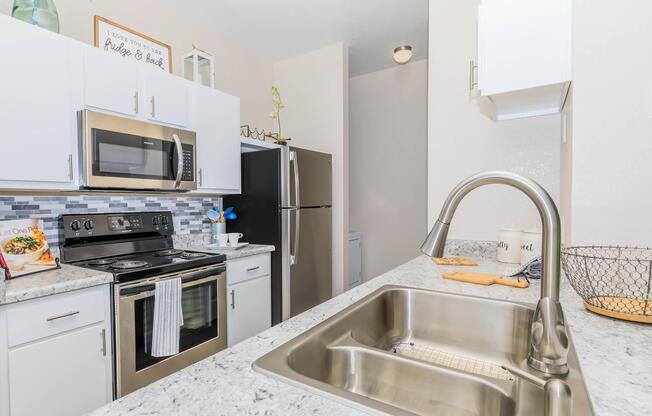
259,213
310,178
311,258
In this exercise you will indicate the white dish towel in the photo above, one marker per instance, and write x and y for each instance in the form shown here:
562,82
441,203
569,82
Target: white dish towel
168,318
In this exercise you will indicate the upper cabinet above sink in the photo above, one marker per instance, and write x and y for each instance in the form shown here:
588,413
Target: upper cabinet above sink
524,56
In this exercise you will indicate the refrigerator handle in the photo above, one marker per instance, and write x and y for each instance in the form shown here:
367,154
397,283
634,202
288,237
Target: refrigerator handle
294,158
294,256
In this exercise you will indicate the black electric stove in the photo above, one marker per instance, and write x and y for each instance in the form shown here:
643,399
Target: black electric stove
131,245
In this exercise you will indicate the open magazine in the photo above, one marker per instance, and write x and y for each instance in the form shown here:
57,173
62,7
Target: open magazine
24,248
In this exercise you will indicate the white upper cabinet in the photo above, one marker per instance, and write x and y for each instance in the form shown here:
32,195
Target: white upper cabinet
217,123
37,117
46,79
110,83
166,97
524,56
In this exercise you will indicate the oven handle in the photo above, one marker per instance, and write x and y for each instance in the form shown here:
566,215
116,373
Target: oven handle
188,278
177,142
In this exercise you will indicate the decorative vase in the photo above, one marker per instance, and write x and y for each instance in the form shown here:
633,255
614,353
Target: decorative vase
41,13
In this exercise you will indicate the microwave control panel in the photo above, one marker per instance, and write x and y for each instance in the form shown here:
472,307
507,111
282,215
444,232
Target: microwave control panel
188,163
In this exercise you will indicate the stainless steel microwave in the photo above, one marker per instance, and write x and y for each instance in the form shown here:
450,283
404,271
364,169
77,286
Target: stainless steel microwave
121,153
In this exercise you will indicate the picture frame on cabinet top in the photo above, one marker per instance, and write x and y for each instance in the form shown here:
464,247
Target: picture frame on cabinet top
120,40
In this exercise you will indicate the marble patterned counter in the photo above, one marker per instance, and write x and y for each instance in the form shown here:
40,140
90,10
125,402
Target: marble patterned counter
615,357
201,242
51,282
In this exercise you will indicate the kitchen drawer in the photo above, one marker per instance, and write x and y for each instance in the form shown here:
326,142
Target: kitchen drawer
246,268
39,318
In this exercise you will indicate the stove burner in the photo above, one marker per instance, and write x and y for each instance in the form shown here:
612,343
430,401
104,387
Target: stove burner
101,262
129,264
168,253
193,255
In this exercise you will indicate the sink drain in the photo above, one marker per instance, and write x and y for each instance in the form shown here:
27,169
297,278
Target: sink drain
450,360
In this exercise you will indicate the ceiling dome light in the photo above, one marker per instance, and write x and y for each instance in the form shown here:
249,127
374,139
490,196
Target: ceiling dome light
403,54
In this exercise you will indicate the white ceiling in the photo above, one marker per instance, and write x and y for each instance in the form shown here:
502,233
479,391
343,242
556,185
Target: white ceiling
279,29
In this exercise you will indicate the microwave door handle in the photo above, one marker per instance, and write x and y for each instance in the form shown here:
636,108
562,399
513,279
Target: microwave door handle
177,142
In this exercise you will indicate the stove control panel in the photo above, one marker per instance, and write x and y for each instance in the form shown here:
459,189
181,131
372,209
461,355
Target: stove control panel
98,225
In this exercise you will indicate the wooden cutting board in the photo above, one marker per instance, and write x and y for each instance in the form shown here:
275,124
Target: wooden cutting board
485,279
453,261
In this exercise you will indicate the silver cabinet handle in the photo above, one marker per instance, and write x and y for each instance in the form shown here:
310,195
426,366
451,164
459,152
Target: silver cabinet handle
103,336
70,174
472,81
253,268
63,315
136,102
232,299
201,177
177,142
153,107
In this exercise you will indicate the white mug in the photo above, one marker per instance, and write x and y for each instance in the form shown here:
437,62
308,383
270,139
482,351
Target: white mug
233,239
222,240
508,249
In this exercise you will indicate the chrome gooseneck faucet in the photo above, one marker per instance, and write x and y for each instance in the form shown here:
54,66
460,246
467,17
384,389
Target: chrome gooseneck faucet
548,348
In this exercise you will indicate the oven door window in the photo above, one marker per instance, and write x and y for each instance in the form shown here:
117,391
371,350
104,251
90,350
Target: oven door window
200,323
128,156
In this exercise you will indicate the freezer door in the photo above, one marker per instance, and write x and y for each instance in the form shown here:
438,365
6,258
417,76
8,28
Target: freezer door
311,265
311,173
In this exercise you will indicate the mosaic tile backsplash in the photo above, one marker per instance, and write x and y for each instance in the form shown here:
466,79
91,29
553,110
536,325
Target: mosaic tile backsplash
189,212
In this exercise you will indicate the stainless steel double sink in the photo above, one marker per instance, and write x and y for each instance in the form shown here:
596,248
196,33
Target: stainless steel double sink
406,351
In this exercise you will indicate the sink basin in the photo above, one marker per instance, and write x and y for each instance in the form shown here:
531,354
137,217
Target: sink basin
407,351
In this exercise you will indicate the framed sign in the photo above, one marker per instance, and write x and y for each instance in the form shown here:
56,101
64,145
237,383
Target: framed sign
120,40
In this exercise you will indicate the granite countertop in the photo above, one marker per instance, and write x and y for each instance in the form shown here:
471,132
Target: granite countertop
69,278
615,357
51,282
201,242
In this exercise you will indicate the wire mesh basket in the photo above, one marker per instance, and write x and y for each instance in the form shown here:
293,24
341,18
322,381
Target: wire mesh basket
613,281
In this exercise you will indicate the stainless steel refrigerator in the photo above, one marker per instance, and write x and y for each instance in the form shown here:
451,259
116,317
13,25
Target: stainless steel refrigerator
286,201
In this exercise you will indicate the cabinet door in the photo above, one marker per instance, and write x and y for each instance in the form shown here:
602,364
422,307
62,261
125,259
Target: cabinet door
217,123
36,106
110,83
249,309
63,375
166,97
523,44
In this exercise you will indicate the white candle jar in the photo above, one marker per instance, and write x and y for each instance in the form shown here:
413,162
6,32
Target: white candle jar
530,245
508,248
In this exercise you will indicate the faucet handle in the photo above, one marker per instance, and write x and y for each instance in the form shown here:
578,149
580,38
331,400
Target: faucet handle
548,339
557,399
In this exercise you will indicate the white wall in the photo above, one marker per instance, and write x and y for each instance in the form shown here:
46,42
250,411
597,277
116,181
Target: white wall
237,71
314,88
461,141
612,128
388,142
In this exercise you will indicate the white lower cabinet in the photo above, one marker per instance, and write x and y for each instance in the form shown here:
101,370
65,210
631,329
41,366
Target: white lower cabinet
62,363
249,296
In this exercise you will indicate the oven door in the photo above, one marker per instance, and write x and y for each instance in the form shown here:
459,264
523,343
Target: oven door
203,333
124,153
